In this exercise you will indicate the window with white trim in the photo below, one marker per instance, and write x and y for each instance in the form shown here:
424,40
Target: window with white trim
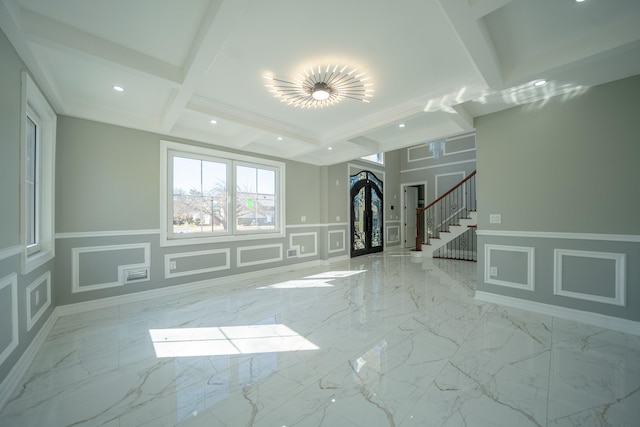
211,196
37,177
374,158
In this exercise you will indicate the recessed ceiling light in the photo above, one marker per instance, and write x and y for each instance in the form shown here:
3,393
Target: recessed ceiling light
279,138
580,1
401,125
213,121
330,148
540,82
118,88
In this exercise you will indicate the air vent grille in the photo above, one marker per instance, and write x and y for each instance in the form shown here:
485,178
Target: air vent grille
136,275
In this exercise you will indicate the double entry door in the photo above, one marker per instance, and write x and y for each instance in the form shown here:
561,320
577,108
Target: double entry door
366,214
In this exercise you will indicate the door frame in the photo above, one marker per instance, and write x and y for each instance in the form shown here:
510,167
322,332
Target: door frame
352,169
402,214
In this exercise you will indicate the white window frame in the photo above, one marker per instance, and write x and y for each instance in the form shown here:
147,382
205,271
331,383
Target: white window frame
367,159
36,107
168,149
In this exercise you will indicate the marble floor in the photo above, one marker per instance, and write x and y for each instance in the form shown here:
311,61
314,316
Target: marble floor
379,340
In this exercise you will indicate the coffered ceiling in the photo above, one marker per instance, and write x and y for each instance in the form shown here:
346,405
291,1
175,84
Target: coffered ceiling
435,64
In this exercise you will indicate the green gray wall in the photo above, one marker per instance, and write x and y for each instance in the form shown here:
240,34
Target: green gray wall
108,186
19,285
436,174
563,175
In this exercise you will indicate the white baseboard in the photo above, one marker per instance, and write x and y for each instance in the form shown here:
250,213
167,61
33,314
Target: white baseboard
17,373
595,319
223,283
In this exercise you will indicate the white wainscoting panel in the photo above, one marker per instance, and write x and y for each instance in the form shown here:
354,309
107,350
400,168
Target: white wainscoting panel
258,247
292,244
393,230
32,318
619,280
11,281
529,285
342,241
75,265
168,258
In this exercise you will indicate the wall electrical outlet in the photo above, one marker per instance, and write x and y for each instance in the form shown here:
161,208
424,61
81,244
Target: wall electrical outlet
303,218
172,265
337,244
338,218
301,249
493,271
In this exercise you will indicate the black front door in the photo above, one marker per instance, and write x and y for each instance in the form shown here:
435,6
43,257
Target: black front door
366,214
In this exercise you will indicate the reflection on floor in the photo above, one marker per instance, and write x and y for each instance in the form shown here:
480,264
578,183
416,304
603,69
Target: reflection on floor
379,340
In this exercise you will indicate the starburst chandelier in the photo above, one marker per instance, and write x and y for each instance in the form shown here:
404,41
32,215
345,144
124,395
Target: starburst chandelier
322,86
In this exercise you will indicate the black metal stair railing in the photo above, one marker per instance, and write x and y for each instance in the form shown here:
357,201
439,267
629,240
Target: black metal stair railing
447,210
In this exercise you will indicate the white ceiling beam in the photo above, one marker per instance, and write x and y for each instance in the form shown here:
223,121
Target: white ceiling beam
462,117
217,109
217,24
482,8
475,39
51,33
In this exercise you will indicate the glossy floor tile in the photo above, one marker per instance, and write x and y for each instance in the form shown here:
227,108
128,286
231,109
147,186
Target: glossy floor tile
381,340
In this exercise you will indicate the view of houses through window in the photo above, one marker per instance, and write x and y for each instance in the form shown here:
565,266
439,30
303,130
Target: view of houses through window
220,196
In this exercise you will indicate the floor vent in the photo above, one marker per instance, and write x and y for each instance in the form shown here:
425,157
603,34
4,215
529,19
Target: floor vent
292,253
136,275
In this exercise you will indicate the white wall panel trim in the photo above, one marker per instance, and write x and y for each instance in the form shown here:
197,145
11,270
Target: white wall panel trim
11,281
596,319
112,233
397,234
443,165
315,243
16,376
262,261
75,265
32,318
170,257
619,280
343,241
530,285
634,238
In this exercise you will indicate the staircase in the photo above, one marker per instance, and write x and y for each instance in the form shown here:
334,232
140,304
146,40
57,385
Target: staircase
456,230
449,223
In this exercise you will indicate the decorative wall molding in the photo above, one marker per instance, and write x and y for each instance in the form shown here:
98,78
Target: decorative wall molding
11,282
231,282
168,258
595,319
343,245
633,238
239,251
397,234
331,224
75,265
530,285
438,166
112,233
416,148
292,236
620,283
15,377
32,318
